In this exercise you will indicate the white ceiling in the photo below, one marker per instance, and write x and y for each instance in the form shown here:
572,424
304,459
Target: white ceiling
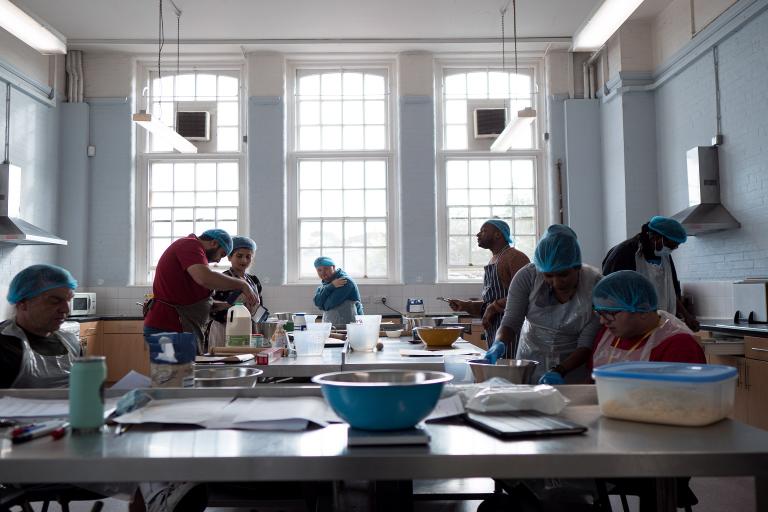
214,25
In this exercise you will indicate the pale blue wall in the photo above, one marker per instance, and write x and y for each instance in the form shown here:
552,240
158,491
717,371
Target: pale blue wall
685,113
614,189
34,146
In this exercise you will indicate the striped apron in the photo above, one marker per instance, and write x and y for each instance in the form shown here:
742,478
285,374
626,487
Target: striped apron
492,290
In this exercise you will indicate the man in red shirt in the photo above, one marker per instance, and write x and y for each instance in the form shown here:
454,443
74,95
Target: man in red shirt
184,281
633,328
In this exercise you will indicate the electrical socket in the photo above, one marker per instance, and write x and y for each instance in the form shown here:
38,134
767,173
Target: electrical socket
379,299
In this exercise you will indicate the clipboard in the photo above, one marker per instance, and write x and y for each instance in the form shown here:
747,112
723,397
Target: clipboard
519,424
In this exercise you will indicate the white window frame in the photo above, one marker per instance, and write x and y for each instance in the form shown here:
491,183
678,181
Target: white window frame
144,159
389,154
538,153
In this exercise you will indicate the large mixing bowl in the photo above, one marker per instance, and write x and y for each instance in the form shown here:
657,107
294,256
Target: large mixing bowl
439,337
382,399
226,377
516,371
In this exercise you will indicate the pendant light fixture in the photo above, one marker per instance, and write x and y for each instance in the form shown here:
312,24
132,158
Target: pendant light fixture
149,122
37,34
522,118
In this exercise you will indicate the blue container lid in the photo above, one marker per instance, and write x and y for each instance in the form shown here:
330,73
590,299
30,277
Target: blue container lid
670,372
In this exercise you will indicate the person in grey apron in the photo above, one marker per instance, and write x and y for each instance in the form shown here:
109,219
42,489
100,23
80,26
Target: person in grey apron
36,354
505,261
650,253
337,296
549,305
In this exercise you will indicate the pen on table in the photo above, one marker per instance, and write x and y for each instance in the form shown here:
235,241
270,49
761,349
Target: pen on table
28,427
60,432
42,430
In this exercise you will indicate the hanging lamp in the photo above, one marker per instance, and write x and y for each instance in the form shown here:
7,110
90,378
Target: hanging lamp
147,121
522,118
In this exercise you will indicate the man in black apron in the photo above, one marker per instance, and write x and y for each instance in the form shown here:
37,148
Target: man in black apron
505,261
184,282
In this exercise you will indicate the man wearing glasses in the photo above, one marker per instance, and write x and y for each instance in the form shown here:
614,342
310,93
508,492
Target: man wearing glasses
634,329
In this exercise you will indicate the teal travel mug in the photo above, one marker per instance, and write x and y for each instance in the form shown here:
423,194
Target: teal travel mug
86,393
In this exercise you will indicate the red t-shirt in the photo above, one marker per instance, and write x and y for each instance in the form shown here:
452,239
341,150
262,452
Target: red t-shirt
678,348
174,285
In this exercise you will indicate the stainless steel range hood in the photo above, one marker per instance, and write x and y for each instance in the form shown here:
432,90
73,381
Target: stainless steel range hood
13,229
704,214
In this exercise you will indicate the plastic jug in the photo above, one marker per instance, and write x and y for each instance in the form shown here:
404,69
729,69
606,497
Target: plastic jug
238,330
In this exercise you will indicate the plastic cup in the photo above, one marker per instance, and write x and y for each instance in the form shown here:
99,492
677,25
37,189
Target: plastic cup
309,343
363,337
324,327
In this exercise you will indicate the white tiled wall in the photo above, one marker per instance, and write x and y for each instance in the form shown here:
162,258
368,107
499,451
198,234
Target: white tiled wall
122,300
711,299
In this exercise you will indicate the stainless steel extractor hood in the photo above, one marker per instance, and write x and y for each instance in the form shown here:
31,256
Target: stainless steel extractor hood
13,229
704,214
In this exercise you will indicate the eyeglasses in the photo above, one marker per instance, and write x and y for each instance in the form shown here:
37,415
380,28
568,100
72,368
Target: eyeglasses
610,316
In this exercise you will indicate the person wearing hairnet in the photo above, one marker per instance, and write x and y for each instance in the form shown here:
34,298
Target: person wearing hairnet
649,252
634,329
241,257
34,353
549,307
505,261
337,296
183,284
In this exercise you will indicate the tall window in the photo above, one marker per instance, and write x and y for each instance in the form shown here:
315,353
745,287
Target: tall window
341,172
476,184
189,193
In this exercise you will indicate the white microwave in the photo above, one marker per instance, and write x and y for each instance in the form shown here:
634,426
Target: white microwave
82,304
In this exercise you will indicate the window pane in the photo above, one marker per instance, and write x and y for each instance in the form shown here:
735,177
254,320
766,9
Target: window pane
309,85
354,177
353,138
332,175
501,196
375,112
161,199
458,250
377,233
227,139
478,174
522,173
374,85
184,176
332,234
185,86
354,234
458,227
479,196
227,113
330,84
375,137
456,112
353,84
333,205
309,175
456,85
205,176
206,86
501,175
309,138
228,226
376,203
522,196
183,214
228,198
310,234
477,85
457,197
376,263
162,228
375,174
181,229
331,137
206,199
161,214
309,112
209,214
456,174
354,261
353,112
158,247
162,177
456,137
498,84
227,176
228,86
331,112
309,203
306,262
222,214
184,199
354,203
478,255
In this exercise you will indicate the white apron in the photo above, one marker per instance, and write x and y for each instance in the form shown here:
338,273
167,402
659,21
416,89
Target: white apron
606,352
39,371
661,278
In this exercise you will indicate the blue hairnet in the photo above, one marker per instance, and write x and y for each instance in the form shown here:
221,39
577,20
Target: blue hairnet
625,290
222,237
242,242
34,280
503,228
324,261
560,228
557,252
668,228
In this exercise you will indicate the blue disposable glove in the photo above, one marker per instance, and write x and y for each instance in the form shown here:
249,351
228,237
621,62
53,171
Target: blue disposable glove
552,378
496,351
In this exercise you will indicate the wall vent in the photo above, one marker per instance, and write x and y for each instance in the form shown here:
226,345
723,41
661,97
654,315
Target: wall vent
489,122
194,125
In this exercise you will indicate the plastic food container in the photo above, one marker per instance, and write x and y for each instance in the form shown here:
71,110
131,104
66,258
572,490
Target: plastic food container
669,393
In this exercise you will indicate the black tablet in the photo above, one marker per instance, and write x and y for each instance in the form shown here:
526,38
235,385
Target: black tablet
514,424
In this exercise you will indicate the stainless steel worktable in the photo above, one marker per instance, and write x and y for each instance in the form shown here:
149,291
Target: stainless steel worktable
610,448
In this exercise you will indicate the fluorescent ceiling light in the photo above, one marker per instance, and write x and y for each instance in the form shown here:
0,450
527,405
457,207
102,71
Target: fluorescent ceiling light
603,23
523,119
164,132
31,31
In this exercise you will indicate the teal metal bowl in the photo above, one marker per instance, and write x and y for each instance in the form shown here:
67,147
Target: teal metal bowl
382,399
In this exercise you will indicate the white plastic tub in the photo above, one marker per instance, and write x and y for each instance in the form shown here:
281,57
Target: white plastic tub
669,393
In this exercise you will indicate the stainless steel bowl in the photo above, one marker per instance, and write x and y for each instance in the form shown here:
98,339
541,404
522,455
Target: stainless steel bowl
516,371
267,329
226,377
284,316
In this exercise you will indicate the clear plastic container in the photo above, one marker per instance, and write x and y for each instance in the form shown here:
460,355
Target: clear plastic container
309,343
669,393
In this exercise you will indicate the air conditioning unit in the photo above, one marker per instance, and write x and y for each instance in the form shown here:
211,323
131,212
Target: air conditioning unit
489,122
195,125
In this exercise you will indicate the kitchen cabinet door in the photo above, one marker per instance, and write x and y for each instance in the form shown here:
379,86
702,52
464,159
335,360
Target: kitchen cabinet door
741,403
125,352
89,338
757,384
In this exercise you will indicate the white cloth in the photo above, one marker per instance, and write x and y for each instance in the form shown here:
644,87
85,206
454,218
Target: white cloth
661,278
